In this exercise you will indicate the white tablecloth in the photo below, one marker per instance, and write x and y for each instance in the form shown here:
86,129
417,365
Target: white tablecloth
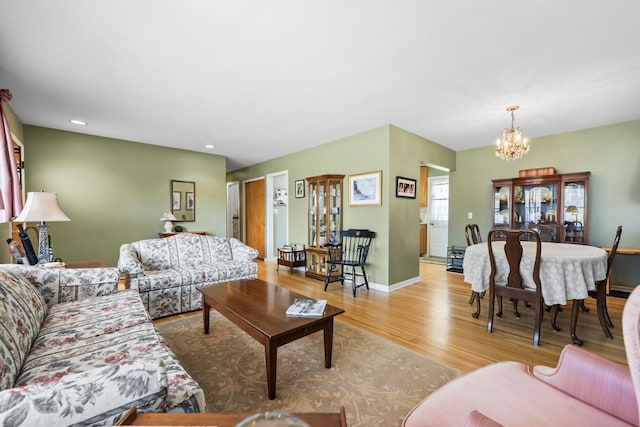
567,271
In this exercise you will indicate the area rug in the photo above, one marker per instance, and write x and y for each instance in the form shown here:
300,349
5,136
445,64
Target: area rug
378,382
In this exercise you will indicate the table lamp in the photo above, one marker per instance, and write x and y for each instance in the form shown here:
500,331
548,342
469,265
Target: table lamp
42,207
573,210
167,217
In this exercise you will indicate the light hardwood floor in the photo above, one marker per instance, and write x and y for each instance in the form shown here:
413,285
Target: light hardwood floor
433,317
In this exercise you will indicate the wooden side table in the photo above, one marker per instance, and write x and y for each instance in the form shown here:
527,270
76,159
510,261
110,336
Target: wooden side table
614,289
132,418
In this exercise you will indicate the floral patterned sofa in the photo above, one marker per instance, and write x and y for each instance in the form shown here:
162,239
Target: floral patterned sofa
166,271
75,351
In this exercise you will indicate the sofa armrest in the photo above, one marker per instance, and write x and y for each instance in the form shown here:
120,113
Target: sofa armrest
594,380
129,263
69,284
242,252
98,396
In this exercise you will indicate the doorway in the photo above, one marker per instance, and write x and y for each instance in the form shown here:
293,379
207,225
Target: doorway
254,214
438,235
277,213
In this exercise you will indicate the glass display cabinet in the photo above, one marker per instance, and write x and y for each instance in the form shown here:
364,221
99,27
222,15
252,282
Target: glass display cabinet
325,221
551,199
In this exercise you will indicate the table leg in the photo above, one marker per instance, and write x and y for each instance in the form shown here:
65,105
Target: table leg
271,358
328,342
575,310
205,315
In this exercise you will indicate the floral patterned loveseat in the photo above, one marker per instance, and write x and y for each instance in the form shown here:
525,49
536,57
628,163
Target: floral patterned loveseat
166,271
75,351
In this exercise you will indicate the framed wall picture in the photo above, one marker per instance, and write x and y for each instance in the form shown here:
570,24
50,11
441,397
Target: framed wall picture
365,189
405,187
299,185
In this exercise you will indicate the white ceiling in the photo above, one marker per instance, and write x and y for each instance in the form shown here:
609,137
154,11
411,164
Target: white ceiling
260,79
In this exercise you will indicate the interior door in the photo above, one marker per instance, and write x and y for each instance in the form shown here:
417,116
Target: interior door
255,203
438,234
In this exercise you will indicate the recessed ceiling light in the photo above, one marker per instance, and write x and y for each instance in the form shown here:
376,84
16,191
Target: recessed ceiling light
208,146
78,122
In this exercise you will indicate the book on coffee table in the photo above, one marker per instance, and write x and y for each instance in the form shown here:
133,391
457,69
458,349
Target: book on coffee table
307,307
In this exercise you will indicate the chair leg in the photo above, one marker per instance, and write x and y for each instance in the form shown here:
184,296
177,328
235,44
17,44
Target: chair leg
583,307
477,297
555,309
601,305
575,310
536,332
473,297
515,308
491,308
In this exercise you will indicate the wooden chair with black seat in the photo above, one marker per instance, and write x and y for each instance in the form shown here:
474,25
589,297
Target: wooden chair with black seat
347,256
472,233
600,293
513,287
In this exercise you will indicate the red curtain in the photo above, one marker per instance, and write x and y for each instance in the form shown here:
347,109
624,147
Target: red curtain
9,182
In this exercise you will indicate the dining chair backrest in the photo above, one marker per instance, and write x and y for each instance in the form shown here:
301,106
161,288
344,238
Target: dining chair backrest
513,251
549,232
514,287
614,249
472,233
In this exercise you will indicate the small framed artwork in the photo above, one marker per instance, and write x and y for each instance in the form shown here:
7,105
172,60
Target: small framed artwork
365,189
299,185
190,201
175,200
405,187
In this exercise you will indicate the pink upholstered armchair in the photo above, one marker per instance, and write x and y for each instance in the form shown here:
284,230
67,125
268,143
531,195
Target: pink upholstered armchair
583,390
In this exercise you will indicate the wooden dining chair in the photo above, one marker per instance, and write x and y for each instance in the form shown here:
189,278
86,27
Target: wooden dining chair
600,293
514,286
472,233
549,232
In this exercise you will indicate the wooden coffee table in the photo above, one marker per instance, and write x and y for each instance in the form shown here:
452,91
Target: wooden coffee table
258,308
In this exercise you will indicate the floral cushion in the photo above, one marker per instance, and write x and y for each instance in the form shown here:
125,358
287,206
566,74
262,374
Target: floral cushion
94,397
98,332
22,310
67,284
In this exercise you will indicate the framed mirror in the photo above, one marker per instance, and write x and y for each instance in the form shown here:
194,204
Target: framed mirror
183,200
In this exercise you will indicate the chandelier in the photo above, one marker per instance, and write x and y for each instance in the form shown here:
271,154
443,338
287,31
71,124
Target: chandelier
512,145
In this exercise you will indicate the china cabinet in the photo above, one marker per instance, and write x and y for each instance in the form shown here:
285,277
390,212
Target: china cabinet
325,221
549,199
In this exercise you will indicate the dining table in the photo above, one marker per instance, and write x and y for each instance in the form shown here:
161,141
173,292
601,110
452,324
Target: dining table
567,271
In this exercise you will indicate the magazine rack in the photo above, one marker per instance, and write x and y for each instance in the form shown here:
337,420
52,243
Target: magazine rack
292,256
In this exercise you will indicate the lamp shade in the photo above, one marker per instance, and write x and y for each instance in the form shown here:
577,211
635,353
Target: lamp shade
168,216
573,209
41,206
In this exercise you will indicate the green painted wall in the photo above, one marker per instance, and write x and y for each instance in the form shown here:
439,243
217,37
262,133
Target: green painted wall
408,152
394,254
115,191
